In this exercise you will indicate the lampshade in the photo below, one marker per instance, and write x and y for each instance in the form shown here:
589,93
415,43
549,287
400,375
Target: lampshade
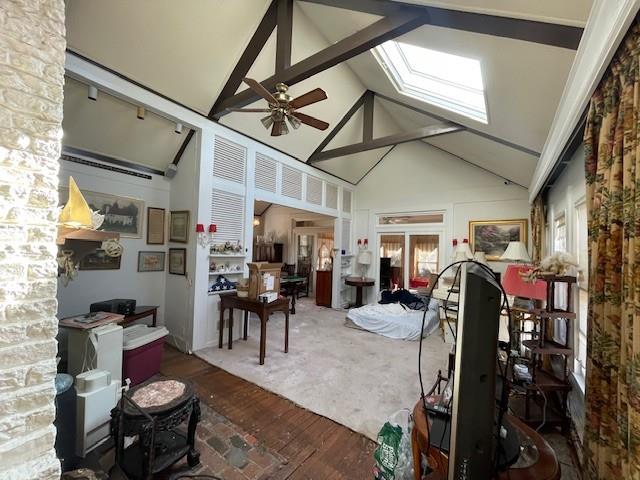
199,228
460,256
464,248
514,284
517,252
213,228
364,257
76,213
480,257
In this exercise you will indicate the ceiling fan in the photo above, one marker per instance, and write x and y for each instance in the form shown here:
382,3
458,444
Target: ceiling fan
282,106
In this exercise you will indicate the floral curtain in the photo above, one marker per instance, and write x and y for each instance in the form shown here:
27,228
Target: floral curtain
612,149
537,228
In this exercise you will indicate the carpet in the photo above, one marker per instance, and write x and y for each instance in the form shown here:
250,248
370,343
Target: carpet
353,377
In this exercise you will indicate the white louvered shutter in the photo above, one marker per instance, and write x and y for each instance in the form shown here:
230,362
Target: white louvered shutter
266,173
291,182
346,234
346,201
332,196
227,213
229,160
314,190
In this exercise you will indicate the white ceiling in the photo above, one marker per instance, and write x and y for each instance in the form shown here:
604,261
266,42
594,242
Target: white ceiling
188,52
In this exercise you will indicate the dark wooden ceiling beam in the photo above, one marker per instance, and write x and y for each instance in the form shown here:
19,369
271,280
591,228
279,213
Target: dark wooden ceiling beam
248,57
564,36
343,121
384,29
395,139
480,133
367,117
284,35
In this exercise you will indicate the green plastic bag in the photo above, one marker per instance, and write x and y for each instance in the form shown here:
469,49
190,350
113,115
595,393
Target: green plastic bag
388,451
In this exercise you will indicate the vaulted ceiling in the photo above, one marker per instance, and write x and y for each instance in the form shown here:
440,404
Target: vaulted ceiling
188,50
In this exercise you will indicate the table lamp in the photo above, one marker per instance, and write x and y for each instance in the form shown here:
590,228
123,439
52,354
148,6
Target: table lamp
516,252
364,260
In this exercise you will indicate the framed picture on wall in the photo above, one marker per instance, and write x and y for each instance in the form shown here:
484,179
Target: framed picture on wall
179,226
123,215
493,236
151,261
155,226
99,260
178,261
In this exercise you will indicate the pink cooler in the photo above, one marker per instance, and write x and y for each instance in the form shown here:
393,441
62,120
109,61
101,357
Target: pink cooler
142,352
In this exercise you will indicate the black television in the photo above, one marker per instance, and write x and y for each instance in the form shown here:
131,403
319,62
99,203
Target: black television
480,440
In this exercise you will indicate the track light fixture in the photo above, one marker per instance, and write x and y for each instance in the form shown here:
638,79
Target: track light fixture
178,128
141,113
93,93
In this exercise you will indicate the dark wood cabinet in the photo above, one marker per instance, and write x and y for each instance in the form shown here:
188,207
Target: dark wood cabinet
324,281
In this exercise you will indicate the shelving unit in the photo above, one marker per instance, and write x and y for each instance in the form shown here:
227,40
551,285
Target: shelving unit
549,360
234,270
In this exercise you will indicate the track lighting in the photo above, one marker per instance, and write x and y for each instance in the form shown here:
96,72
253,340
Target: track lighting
178,128
141,113
93,93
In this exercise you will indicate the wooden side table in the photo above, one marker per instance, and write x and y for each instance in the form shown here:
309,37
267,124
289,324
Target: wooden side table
263,310
359,283
142,312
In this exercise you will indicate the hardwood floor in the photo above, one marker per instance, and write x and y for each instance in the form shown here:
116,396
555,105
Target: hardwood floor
316,448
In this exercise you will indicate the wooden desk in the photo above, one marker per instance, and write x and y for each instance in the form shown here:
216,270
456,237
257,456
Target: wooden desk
142,312
359,283
263,310
546,468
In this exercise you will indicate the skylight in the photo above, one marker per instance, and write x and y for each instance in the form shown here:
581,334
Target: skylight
442,79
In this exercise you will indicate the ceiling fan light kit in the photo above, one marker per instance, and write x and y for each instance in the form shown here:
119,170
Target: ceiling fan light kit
283,109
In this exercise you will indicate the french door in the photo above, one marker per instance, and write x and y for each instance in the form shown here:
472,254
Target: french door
406,259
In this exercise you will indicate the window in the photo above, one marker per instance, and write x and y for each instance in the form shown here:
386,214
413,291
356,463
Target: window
410,219
448,81
560,245
325,246
581,251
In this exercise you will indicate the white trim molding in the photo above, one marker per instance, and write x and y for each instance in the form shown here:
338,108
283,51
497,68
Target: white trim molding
608,23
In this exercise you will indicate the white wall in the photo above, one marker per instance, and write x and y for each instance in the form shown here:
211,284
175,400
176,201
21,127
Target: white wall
180,288
417,177
94,285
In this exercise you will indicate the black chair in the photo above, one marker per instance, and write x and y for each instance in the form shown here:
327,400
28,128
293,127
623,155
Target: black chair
304,270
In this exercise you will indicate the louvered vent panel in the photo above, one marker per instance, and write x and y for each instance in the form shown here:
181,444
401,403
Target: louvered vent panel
227,213
332,196
346,201
346,234
266,173
314,190
291,182
229,160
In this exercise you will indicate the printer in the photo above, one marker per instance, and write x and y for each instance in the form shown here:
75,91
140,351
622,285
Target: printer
122,306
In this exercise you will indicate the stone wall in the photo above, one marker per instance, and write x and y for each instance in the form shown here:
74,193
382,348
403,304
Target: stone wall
32,44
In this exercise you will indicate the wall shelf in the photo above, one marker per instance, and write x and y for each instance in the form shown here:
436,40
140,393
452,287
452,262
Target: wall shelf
226,255
227,272
222,291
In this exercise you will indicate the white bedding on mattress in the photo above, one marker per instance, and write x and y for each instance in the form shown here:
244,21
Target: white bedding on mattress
395,321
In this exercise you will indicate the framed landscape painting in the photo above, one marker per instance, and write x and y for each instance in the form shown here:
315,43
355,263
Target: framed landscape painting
493,236
99,260
122,215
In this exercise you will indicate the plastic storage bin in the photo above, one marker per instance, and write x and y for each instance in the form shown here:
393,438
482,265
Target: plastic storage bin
142,352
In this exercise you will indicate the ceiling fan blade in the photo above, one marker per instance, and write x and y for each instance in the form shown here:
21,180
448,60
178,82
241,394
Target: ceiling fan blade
253,110
311,121
276,130
308,98
260,90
